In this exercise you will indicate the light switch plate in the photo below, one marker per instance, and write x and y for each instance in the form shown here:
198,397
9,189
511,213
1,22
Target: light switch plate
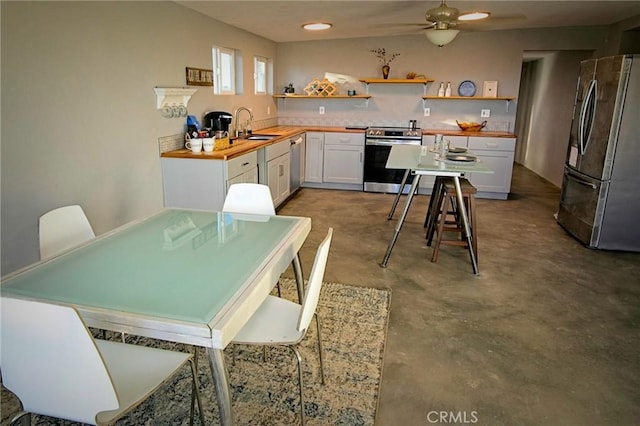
485,113
427,112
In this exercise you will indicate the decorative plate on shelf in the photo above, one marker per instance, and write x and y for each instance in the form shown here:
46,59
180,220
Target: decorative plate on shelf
467,88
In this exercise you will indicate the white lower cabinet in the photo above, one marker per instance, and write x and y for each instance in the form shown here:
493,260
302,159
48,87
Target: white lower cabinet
202,184
343,158
278,170
497,155
314,156
250,176
243,169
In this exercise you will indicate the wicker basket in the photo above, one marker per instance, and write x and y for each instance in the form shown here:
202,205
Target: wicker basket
471,126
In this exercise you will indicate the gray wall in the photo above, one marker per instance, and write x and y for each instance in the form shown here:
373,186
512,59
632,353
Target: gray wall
79,118
543,144
476,56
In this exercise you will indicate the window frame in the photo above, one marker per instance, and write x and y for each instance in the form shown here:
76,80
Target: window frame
257,76
224,70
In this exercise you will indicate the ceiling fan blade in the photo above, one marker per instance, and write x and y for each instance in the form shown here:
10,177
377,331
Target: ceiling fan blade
491,23
424,25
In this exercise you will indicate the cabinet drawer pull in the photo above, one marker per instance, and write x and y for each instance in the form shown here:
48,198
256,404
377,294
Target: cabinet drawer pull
492,144
245,164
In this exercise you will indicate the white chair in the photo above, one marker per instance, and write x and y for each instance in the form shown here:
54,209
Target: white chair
52,364
62,229
280,322
249,198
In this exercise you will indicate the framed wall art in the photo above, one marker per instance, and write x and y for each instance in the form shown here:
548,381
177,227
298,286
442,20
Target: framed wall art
490,89
199,77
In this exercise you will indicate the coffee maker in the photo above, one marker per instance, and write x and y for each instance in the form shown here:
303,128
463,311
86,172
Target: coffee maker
217,121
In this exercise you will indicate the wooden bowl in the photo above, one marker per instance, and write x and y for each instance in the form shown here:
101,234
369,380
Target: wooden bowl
471,126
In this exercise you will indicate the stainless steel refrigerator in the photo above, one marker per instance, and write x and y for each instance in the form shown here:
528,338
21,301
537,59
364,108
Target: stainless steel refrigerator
600,199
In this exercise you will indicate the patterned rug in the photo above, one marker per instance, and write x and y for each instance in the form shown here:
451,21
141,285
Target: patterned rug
354,325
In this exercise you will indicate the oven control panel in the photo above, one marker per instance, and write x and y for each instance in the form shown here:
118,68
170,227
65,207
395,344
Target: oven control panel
389,132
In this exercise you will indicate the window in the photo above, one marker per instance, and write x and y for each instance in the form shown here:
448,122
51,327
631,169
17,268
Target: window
260,75
224,71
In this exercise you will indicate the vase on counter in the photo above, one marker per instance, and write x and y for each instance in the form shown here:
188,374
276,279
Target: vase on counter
385,71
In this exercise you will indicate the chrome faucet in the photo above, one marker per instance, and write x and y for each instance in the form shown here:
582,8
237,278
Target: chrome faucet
236,116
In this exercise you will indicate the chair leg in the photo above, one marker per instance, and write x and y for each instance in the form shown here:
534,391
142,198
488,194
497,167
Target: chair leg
299,360
22,418
193,394
434,209
195,388
320,348
440,231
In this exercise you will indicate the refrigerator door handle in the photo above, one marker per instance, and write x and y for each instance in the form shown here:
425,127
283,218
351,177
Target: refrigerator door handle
581,181
585,125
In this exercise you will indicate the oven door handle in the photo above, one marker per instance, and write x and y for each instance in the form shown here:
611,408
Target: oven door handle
388,143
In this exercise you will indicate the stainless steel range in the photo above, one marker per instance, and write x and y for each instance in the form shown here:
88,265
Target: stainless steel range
378,143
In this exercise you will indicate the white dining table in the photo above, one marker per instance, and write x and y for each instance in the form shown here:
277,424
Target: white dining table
192,277
420,161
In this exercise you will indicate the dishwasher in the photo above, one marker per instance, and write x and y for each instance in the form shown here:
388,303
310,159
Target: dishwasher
297,162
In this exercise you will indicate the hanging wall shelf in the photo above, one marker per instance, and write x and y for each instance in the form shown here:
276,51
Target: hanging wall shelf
173,96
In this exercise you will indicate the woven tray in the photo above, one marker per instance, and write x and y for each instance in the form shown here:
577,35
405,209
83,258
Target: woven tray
222,143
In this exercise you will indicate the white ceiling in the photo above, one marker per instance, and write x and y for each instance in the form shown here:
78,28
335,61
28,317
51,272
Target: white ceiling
281,21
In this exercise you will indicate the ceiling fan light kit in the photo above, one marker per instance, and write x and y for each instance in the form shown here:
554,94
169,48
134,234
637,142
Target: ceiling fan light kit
440,37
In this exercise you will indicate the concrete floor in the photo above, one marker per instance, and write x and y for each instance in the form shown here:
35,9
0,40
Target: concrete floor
547,334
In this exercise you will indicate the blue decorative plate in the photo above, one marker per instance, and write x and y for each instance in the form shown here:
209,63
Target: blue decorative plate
467,88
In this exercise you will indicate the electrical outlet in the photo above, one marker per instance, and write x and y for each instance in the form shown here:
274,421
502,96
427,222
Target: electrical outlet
321,110
427,112
485,113
268,110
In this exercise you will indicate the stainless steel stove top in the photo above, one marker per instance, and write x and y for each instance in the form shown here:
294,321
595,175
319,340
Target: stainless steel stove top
393,133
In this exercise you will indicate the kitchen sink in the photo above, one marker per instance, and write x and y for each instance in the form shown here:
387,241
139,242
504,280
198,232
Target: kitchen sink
260,137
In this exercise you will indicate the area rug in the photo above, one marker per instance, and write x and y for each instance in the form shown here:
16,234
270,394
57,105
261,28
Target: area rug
354,325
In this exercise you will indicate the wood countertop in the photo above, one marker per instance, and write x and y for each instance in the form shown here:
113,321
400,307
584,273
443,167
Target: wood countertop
482,133
242,146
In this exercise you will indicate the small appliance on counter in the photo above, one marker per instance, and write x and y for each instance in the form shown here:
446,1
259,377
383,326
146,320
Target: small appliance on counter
217,121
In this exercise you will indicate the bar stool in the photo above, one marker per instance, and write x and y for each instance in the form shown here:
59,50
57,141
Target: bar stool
447,219
435,203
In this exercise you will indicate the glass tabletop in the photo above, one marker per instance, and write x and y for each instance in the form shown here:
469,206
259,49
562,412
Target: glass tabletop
422,161
178,264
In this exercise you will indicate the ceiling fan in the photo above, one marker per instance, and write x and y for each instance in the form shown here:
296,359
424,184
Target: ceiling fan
442,21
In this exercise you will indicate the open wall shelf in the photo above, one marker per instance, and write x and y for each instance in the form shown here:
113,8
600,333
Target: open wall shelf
468,98
321,97
396,80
